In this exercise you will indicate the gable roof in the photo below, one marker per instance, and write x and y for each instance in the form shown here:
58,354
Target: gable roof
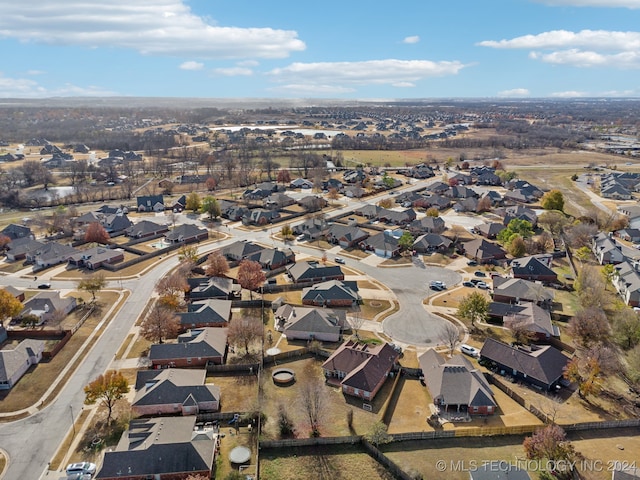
207,342
455,381
312,320
146,227
206,311
332,290
302,271
46,302
173,385
213,287
532,318
157,446
543,363
530,266
240,249
365,365
518,288
14,231
482,249
185,231
12,360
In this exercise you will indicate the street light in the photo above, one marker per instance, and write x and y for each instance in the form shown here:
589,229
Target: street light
73,422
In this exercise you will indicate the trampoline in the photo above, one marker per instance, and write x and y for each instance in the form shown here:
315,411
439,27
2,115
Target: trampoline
240,455
283,376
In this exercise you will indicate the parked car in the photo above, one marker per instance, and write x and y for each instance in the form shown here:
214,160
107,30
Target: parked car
483,285
478,273
468,284
81,468
469,350
472,263
475,281
44,286
300,237
339,260
437,285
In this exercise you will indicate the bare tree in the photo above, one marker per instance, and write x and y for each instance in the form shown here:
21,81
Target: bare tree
450,336
245,331
313,399
355,321
160,324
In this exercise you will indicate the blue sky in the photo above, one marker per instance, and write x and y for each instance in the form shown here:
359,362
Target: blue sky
329,49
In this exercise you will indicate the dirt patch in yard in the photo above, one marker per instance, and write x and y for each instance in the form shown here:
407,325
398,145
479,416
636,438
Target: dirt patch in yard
239,393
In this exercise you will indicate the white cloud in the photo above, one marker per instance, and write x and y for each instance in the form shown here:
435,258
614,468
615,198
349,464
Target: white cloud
569,94
411,39
578,58
248,63
586,48
27,88
154,27
36,72
594,3
233,71
191,65
372,72
403,84
595,39
514,92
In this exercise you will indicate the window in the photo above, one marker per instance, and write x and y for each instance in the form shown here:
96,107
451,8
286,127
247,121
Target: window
188,360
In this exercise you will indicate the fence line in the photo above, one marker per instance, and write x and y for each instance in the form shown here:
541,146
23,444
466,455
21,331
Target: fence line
247,368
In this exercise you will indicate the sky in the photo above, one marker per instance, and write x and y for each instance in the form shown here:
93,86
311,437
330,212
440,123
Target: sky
330,49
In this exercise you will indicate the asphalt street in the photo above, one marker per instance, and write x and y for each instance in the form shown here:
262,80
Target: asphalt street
32,442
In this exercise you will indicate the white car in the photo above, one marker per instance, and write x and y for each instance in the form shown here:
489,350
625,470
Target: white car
339,260
469,350
300,237
81,468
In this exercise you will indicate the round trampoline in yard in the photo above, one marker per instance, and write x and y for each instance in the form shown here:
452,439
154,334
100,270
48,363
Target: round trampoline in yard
283,376
240,455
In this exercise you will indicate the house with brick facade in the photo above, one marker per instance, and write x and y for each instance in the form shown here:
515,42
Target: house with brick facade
194,349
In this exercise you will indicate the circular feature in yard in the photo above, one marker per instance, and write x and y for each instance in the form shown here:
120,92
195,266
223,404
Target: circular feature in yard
240,454
375,304
273,351
283,376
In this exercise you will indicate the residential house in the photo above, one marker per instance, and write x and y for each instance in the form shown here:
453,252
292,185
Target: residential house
408,197
19,248
395,217
533,319
626,280
541,366
439,202
215,287
455,385
489,230
47,305
606,250
332,183
180,204
174,391
273,258
531,268
368,211
438,188
49,254
384,244
427,224
521,213
344,235
312,203
332,293
314,272
187,233
164,448
304,323
15,231
277,201
116,222
301,183
469,204
260,217
260,191
460,191
15,361
431,242
483,251
146,228
240,250
150,203
495,198
197,348
311,228
360,369
516,290
460,179
629,235
15,292
488,178
632,212
205,313
96,257
234,212
354,176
